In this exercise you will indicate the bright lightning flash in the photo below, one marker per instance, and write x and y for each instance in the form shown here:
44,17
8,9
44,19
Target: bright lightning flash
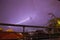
28,18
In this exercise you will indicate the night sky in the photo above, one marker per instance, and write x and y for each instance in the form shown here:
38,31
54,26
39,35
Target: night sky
28,12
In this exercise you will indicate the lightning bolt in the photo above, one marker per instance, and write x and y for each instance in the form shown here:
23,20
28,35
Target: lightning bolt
22,21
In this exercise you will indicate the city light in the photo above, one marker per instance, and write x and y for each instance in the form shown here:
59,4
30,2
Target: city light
58,21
